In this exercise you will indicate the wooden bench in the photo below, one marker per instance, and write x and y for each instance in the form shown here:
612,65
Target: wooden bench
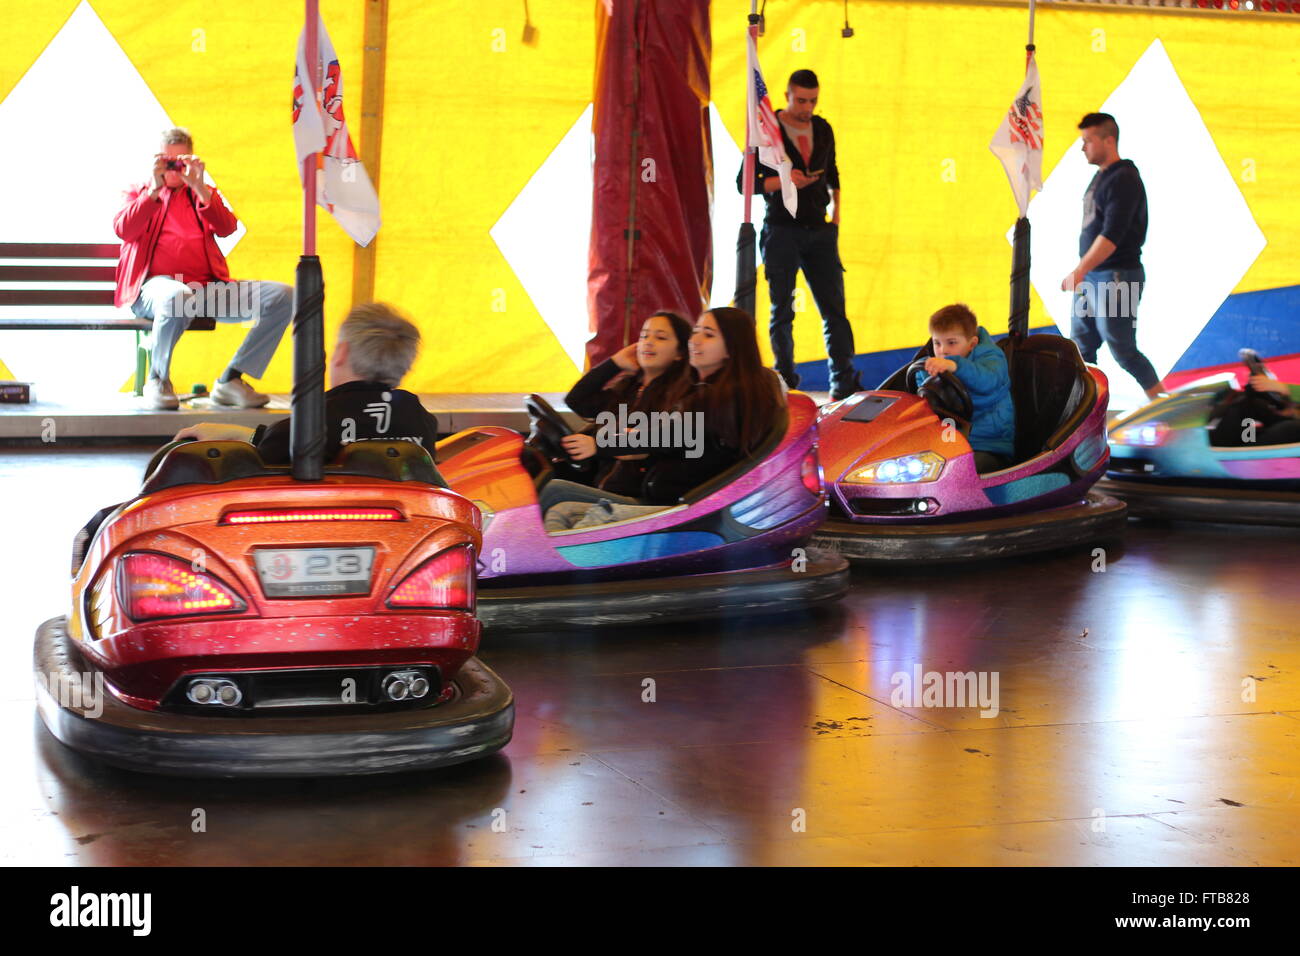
45,286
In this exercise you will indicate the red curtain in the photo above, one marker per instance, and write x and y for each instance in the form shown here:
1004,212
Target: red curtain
651,239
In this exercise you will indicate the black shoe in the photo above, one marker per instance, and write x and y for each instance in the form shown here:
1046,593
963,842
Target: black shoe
846,385
792,379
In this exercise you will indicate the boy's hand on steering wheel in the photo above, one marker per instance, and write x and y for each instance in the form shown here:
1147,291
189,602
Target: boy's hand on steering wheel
1262,383
579,447
936,366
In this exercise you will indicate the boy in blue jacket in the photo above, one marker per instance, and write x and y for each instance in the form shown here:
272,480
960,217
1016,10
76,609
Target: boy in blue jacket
963,347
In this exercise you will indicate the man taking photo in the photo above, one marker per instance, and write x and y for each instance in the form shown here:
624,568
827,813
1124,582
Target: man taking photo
170,270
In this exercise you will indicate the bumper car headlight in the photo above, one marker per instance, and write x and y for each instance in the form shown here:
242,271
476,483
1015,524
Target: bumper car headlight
1146,435
906,469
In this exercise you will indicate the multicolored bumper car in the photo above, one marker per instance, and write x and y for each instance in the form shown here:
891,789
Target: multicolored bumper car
902,478
737,544
233,621
1165,464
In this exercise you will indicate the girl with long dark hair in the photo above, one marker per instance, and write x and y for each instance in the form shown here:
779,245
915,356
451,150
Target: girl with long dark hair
650,375
734,397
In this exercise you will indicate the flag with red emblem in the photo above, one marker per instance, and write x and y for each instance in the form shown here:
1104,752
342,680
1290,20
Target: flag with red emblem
342,187
1018,143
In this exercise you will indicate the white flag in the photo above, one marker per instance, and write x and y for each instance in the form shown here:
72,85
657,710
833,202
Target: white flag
1018,143
765,132
342,187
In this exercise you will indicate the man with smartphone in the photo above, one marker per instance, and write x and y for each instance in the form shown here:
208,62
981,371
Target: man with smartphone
806,241
170,270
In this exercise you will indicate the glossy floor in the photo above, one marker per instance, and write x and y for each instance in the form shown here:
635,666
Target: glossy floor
1146,714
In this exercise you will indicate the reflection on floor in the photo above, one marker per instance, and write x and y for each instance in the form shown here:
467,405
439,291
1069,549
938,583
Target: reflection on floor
1147,714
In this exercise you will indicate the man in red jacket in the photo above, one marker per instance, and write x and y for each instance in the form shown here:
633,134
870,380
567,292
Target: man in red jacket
171,271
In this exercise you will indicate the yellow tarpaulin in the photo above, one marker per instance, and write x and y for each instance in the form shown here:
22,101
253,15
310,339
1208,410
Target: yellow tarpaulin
471,112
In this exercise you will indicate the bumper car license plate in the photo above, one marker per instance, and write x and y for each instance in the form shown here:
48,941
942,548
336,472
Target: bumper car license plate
313,572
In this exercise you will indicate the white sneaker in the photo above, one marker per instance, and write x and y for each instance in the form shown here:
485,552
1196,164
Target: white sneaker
238,393
160,396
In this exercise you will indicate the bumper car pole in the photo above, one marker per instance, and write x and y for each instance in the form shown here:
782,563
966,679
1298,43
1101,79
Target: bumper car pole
1018,322
307,421
746,264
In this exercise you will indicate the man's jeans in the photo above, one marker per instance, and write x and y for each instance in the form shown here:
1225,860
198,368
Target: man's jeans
1105,309
172,304
786,250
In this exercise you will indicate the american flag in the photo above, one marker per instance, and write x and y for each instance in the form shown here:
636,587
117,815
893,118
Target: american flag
765,131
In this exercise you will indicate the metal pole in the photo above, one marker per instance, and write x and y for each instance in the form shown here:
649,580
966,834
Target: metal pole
1018,322
746,294
309,164
307,419
749,114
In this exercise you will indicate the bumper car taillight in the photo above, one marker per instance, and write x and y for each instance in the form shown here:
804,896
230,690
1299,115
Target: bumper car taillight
154,585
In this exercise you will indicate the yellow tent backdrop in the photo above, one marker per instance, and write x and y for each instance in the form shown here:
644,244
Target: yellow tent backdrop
471,112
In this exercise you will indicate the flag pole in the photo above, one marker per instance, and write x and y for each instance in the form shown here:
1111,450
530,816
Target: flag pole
746,260
312,30
307,421
1018,321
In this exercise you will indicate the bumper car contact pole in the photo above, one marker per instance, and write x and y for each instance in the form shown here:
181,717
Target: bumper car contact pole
746,261
307,422
1018,321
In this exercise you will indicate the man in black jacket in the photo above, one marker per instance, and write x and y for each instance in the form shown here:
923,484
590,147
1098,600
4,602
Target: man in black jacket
806,241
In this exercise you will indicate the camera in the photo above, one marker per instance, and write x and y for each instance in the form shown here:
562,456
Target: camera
175,164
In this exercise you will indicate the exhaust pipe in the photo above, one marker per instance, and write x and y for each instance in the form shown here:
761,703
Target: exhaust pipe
201,692
406,685
217,692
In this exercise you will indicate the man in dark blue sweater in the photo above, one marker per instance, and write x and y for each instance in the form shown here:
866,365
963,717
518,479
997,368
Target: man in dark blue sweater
1108,281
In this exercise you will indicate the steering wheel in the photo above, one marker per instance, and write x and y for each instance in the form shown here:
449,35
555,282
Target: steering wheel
545,433
945,393
160,454
1255,366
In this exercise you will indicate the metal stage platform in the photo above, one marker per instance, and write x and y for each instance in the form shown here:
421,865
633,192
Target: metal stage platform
120,416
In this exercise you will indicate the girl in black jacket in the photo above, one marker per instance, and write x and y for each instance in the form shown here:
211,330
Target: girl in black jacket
735,399
651,375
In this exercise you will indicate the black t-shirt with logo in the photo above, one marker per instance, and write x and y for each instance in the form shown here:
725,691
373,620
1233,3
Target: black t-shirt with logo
355,412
